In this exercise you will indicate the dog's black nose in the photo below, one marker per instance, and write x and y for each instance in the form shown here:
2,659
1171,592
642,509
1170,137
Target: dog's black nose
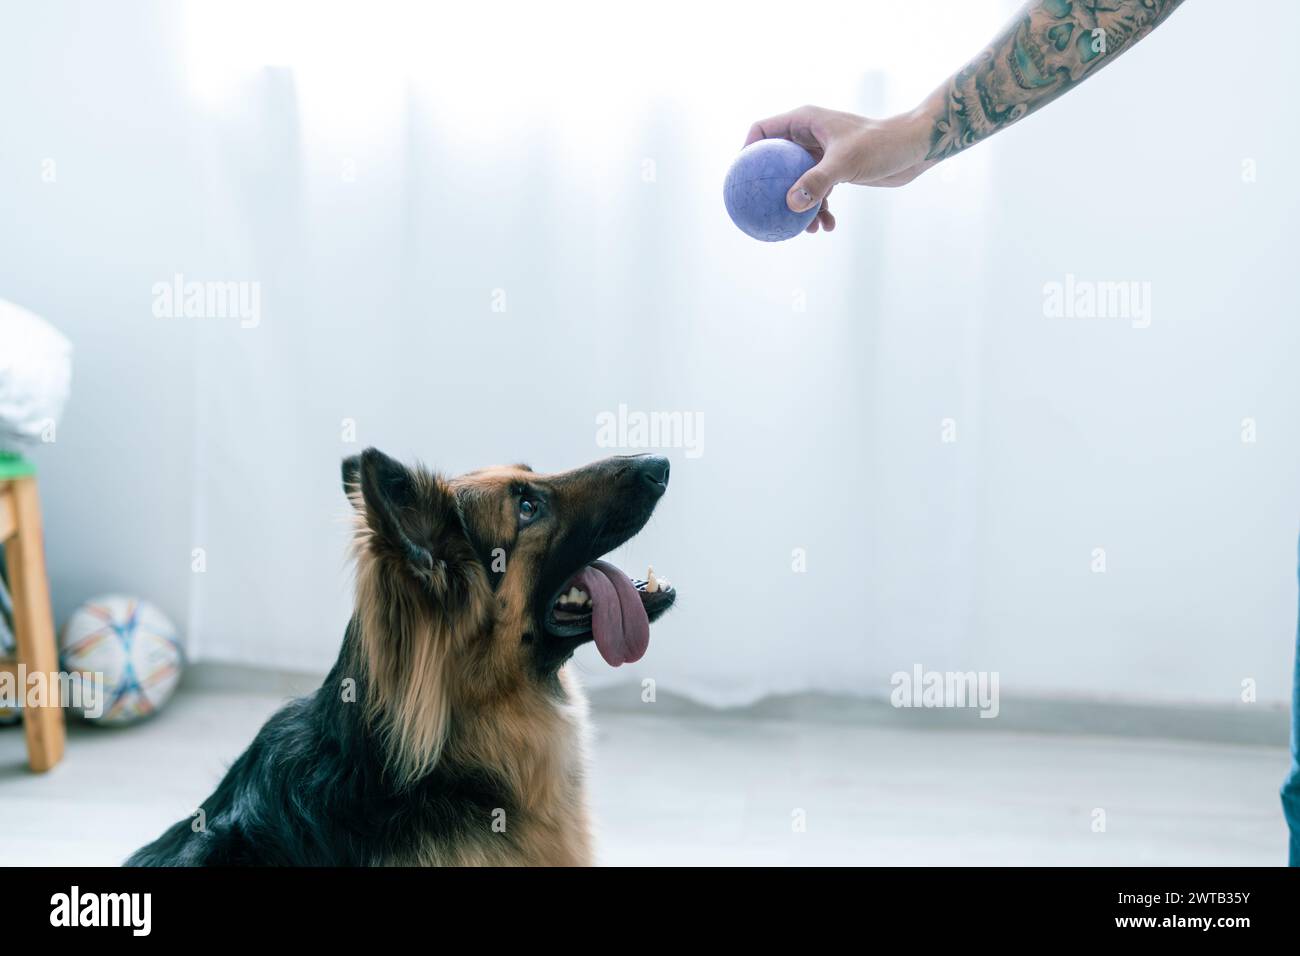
654,472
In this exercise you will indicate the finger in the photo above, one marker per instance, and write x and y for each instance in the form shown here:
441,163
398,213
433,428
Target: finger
812,187
794,126
758,131
827,218
824,221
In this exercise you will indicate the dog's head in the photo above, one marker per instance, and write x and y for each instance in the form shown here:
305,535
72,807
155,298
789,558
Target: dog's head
479,582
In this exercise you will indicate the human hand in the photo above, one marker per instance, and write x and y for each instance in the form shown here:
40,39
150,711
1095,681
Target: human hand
848,149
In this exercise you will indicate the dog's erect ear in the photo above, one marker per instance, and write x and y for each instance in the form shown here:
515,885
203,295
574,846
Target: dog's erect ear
351,474
412,518
398,510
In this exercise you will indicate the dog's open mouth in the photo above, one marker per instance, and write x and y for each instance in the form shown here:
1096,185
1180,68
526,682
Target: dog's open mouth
614,609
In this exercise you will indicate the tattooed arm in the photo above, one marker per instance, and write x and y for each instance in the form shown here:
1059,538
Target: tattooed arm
1049,47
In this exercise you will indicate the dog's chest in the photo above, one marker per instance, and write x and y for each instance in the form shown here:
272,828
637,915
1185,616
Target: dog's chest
540,817
553,824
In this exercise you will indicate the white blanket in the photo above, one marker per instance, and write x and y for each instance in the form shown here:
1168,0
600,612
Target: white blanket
35,374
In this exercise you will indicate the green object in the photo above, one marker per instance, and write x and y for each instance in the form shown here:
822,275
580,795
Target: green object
14,465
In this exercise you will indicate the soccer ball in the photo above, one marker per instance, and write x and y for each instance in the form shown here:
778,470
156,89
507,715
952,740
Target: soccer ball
132,647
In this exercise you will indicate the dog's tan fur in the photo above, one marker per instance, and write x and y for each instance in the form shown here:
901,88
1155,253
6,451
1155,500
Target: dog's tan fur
451,684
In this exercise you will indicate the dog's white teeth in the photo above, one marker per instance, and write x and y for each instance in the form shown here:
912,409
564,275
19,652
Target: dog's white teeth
665,584
651,585
574,597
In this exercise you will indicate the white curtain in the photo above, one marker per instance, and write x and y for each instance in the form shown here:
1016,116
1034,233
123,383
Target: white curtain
903,459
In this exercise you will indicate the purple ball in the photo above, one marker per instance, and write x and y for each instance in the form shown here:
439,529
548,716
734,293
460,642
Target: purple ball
756,186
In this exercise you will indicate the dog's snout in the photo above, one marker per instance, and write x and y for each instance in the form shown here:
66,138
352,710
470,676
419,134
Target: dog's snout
653,471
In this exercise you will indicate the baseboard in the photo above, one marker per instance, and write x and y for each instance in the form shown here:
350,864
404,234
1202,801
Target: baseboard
1246,724
1251,725
246,678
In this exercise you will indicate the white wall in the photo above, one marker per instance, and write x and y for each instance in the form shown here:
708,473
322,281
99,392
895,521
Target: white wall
216,144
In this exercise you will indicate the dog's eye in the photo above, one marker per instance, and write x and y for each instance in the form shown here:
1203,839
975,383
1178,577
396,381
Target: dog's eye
528,509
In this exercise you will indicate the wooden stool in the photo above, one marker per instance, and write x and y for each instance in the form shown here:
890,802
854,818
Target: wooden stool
20,532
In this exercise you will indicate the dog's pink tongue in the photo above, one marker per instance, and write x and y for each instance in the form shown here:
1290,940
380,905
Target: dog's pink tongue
618,618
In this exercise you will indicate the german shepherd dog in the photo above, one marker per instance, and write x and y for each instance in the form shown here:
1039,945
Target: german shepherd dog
450,731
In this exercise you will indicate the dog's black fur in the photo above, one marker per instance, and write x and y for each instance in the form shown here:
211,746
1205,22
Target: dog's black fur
311,790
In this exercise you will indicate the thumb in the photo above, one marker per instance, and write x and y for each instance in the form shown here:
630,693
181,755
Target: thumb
812,187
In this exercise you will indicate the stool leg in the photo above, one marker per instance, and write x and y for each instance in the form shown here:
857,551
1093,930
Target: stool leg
34,625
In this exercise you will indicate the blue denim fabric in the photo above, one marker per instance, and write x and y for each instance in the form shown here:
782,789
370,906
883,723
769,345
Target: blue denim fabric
1291,789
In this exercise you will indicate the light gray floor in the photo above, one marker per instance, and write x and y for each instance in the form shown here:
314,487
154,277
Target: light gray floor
706,789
